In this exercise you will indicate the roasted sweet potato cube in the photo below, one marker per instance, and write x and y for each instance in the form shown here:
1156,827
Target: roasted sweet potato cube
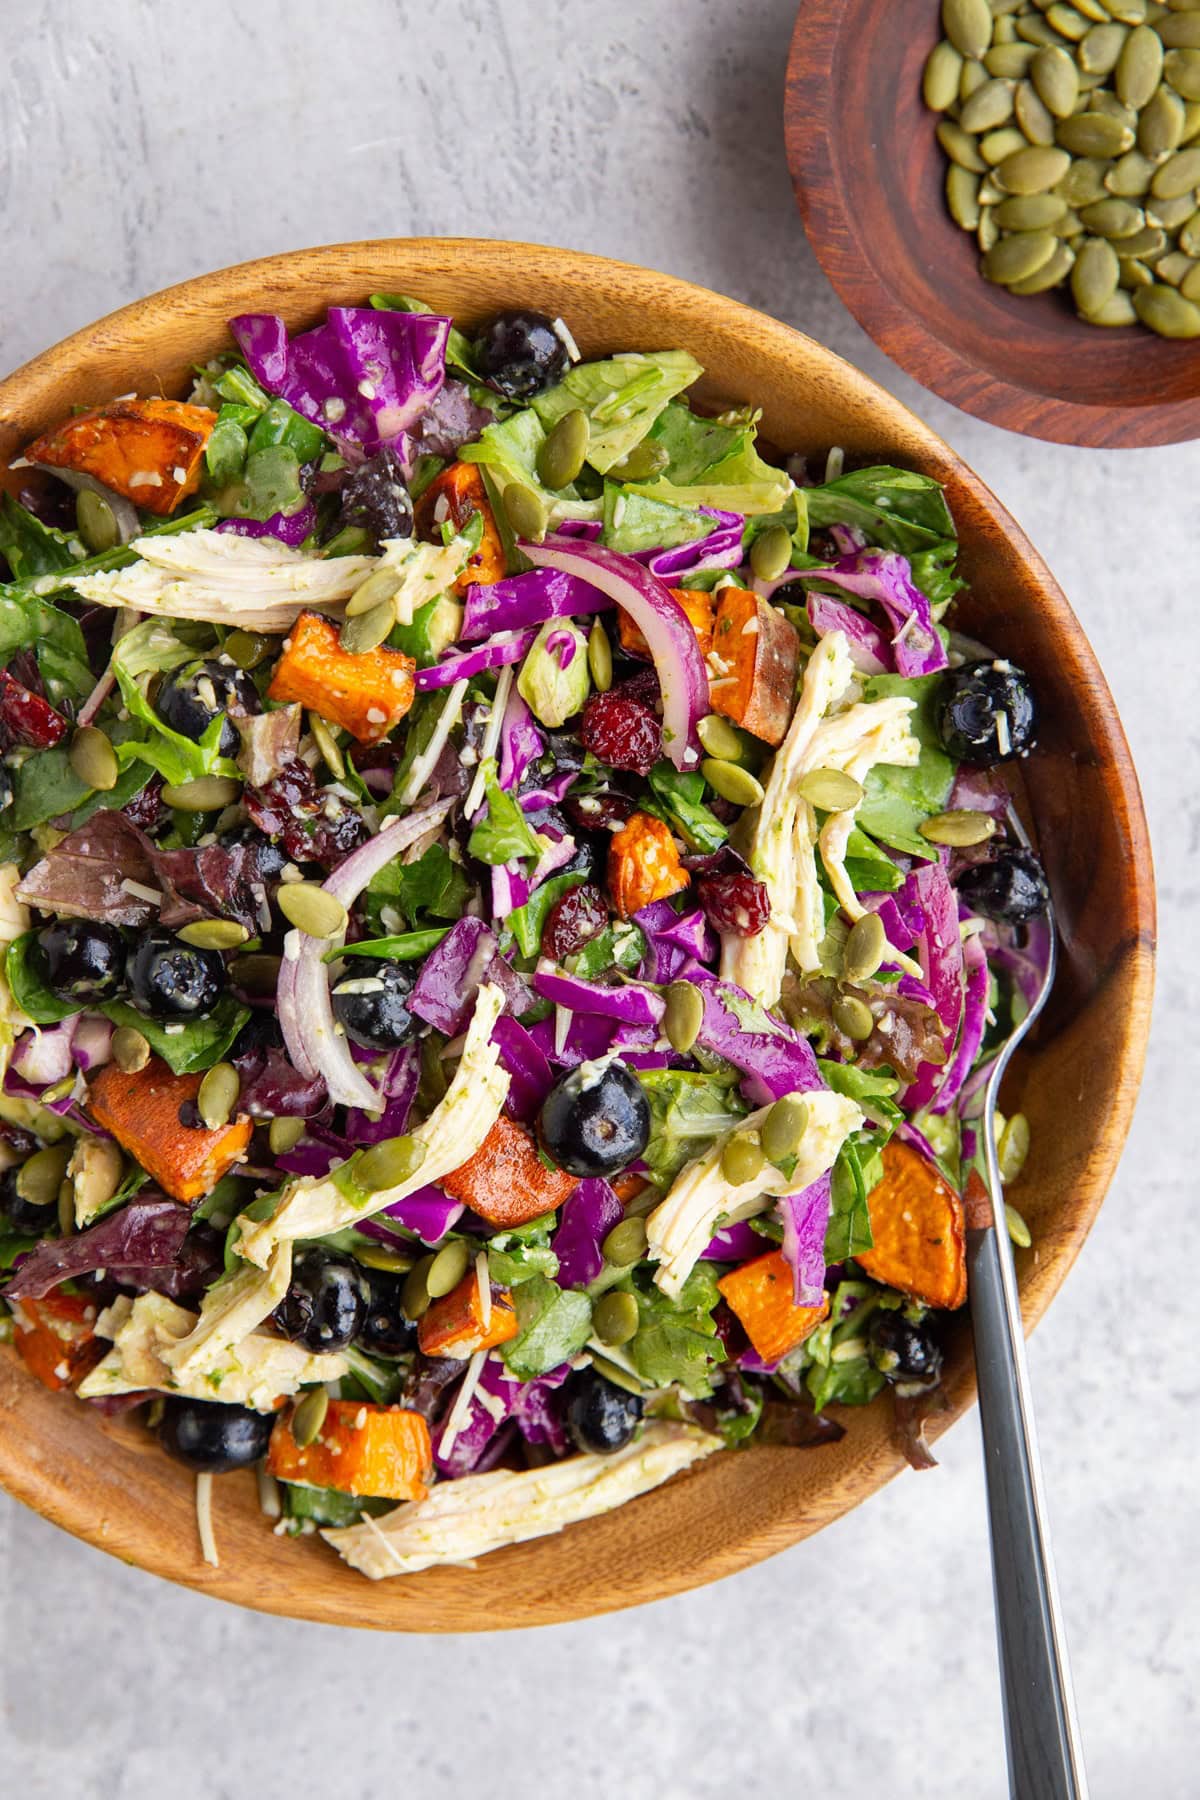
643,864
150,451
56,1338
753,664
760,1293
369,694
506,1182
918,1226
141,1110
697,606
381,1452
453,497
459,1325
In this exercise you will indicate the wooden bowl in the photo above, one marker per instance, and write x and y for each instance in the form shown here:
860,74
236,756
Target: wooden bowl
869,177
108,1482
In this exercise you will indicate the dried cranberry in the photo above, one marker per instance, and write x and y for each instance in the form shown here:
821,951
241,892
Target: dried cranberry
574,920
376,497
599,812
26,718
642,685
734,903
311,825
622,731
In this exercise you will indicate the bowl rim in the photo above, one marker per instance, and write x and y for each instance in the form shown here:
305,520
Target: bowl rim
900,332
55,1490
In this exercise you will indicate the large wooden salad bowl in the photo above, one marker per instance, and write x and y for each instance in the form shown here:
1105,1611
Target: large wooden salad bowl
107,1481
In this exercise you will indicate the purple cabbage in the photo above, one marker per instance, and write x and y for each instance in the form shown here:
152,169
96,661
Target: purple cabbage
286,528
530,1074
869,647
521,601
588,1215
734,1243
398,1090
365,376
672,939
528,1402
145,1235
805,1219
521,743
428,1213
886,577
939,948
974,1023
467,958
720,549
775,1061
628,1004
508,647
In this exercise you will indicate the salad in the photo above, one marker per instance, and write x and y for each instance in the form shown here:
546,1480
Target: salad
506,914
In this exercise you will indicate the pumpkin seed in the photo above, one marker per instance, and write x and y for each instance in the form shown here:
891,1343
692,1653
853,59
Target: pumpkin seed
1083,182
831,790
1018,1230
684,1015
308,1416
41,1175
213,934
1013,1147
1049,275
1129,12
784,1126
414,1295
1056,80
208,793
1134,274
246,648
968,25
96,521
742,1158
1117,310
257,973
1017,257
1032,115
643,462
1113,218
1175,268
599,654
1130,176
988,232
563,451
1189,237
1069,23
959,827
218,1095
615,1318
387,1164
1145,244
1191,121
1009,61
865,948
972,76
1181,32
1160,124
960,146
1189,287
365,632
989,106
994,146
731,781
1004,31
853,1017
1178,175
1165,310
1139,67
92,756
989,193
1094,134
372,592
1099,50
625,1243
1069,226
1030,212
1001,9
1033,170
943,67
130,1050
311,908
613,1372
1094,277
527,512
771,552
284,1134
719,738
381,1256
1171,214
447,1268
327,744
1102,101
1036,31
1182,69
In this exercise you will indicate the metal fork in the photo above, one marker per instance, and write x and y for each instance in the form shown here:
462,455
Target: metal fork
1045,1758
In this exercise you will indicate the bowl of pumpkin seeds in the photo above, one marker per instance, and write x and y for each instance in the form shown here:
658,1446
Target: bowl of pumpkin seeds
1024,234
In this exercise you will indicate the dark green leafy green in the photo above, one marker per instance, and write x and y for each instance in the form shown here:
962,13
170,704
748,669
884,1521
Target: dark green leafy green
858,1169
832,1374
433,887
30,548
678,800
517,1256
406,946
195,1043
553,1324
898,800
874,1090
688,1113
27,986
869,869
622,397
119,558
504,834
527,922
620,946
325,1507
677,1340
896,509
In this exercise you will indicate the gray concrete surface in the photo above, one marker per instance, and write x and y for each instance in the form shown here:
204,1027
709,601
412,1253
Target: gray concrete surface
142,144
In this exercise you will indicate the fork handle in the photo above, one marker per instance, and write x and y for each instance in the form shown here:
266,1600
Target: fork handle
1044,1757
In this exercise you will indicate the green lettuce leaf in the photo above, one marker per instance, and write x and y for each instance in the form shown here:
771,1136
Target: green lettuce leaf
633,523
858,1169
504,833
433,886
528,921
622,398
714,464
897,509
30,548
554,1323
898,800
679,802
620,946
677,1340
508,450
688,1113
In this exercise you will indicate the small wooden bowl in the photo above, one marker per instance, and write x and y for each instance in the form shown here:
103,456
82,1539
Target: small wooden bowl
869,176
108,1482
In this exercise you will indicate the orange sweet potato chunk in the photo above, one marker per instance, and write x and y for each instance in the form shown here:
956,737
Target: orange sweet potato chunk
56,1339
697,606
760,1293
506,1182
753,665
150,451
381,1452
643,864
368,694
141,1110
453,498
918,1226
454,1325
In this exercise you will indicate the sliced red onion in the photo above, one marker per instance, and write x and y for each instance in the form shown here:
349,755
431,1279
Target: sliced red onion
662,622
305,1006
92,1044
508,647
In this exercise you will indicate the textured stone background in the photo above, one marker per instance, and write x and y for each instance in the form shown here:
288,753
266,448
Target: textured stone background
142,144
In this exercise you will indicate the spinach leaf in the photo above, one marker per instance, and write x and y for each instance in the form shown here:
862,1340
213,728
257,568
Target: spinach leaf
869,870
620,946
897,509
189,1046
858,1169
30,548
432,885
119,558
677,1340
898,800
527,922
688,1113
407,946
679,802
503,834
554,1323
326,1507
44,787
28,988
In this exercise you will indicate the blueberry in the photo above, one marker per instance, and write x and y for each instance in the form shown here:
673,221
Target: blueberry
191,698
386,1331
1011,886
326,1303
375,497
371,1002
81,959
595,1124
601,1417
987,712
210,1437
169,979
519,353
902,1350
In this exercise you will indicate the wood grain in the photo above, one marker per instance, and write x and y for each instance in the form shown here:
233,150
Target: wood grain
107,1482
869,174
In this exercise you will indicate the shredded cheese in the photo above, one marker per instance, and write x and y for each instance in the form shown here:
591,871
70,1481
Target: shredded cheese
484,1285
204,1520
491,739
424,764
462,1403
